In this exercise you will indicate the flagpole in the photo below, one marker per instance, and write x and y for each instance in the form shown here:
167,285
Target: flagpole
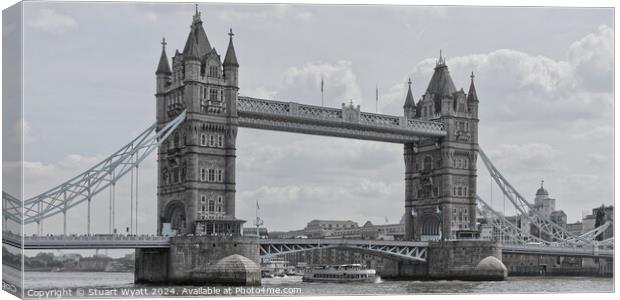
257,222
322,96
377,98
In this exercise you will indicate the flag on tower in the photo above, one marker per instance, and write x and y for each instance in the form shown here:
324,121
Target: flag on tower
257,207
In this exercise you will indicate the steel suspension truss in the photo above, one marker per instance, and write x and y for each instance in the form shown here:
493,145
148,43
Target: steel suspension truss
507,230
11,208
86,185
544,225
405,250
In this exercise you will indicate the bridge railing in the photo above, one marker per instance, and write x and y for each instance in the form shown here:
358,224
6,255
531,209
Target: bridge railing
320,113
343,242
142,237
556,249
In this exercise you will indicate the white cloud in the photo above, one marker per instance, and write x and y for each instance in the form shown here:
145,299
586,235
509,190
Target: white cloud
50,21
532,90
592,58
303,83
264,14
514,157
362,200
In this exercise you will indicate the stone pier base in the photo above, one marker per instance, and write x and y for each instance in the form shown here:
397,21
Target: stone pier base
466,260
451,260
201,260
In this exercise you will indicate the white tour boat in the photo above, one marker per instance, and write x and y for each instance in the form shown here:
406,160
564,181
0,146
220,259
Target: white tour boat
340,273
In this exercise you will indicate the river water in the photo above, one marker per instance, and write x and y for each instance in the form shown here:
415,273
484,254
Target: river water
103,284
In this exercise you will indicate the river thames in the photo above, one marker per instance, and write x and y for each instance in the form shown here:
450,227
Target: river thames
100,283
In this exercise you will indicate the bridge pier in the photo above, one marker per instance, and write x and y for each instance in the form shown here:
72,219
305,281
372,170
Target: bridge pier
452,260
200,260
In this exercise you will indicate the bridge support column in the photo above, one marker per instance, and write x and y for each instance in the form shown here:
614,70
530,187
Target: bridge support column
466,260
201,260
409,197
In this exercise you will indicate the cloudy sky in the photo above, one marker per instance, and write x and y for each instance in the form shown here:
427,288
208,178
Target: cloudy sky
544,77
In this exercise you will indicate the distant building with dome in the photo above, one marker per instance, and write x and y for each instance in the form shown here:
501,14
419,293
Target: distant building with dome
545,205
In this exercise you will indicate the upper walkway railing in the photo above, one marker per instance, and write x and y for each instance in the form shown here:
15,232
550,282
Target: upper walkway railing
347,121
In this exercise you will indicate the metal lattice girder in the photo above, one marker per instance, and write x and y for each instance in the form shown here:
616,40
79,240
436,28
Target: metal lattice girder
607,243
508,229
309,119
96,179
11,207
592,234
405,250
542,223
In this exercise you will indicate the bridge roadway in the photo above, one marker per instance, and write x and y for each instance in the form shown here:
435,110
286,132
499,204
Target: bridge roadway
348,121
273,247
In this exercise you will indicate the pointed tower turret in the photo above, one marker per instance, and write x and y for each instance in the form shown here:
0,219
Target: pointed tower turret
231,57
472,96
163,75
410,106
231,65
163,67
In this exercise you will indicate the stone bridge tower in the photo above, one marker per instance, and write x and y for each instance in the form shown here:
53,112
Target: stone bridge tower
196,164
440,173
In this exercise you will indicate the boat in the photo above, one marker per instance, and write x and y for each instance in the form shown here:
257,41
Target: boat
340,273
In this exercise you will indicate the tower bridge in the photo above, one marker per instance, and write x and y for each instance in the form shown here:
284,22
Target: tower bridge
198,115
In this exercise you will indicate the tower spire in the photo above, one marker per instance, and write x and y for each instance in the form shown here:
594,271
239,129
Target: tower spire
231,57
163,67
196,15
472,95
441,61
409,106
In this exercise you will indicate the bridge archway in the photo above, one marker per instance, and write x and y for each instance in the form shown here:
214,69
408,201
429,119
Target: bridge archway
175,215
430,227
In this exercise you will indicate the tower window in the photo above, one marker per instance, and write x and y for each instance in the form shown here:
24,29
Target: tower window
211,140
211,175
203,175
203,199
220,176
203,140
211,205
220,141
213,94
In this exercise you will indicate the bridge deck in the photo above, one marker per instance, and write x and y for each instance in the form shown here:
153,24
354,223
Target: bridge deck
274,247
345,122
